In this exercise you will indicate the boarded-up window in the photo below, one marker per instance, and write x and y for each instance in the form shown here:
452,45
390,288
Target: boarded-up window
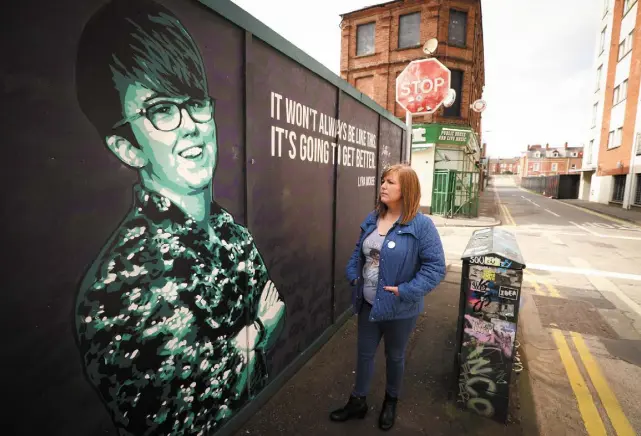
366,85
457,85
365,39
458,28
409,30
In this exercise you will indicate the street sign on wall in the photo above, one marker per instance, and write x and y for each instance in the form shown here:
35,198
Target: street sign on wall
422,86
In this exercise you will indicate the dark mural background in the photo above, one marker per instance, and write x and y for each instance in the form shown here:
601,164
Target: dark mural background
64,193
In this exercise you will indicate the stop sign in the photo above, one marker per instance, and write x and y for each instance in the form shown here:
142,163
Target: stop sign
422,86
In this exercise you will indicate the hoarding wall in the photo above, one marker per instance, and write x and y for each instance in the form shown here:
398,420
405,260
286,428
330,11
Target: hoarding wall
136,304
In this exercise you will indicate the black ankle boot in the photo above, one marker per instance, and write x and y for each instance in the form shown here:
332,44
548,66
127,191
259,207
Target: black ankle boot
388,413
356,407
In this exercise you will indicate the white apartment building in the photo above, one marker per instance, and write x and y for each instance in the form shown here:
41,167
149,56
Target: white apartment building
611,169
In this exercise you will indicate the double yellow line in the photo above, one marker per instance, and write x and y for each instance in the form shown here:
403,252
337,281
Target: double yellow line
508,216
537,282
587,406
509,221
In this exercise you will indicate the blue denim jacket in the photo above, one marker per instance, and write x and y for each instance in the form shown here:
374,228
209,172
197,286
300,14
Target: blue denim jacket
411,258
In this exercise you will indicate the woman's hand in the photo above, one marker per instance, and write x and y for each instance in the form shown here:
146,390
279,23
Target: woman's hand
247,338
392,289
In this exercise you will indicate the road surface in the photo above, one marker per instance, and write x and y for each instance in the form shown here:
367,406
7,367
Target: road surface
581,311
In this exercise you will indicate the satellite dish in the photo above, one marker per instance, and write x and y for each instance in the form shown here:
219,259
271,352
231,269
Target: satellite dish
429,48
478,105
450,99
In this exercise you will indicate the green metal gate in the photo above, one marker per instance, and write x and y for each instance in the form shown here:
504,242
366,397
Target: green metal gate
466,198
455,193
443,192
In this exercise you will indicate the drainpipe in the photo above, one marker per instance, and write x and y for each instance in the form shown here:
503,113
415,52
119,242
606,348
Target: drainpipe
633,155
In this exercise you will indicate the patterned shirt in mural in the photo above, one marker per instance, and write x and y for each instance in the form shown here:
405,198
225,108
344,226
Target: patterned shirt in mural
157,313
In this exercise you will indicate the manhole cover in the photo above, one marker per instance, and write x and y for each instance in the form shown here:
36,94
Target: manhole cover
573,315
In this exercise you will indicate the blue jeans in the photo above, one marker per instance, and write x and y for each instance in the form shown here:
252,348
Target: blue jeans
396,334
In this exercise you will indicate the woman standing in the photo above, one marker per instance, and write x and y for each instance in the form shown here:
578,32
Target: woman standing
397,260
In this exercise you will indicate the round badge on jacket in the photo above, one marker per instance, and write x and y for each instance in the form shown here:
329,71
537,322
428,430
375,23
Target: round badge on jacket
391,244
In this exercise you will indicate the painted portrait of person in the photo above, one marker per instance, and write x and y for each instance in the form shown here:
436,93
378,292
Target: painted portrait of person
177,312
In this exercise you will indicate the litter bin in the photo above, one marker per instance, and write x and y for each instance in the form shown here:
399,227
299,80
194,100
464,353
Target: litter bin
491,280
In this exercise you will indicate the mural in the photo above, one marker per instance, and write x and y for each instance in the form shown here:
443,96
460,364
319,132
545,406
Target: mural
187,193
176,314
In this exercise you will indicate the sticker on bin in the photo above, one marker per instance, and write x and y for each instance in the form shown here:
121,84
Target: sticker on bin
509,293
485,260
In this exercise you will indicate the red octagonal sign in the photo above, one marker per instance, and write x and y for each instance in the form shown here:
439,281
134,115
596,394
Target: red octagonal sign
422,86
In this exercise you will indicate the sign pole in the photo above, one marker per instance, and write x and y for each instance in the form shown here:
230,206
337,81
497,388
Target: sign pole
408,144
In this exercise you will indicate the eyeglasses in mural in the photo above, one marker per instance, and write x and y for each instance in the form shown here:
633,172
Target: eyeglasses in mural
176,313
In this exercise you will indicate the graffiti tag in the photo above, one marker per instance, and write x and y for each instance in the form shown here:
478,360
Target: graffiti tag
485,260
509,293
479,285
489,274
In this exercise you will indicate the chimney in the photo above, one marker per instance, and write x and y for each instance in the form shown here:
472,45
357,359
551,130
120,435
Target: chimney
547,146
566,145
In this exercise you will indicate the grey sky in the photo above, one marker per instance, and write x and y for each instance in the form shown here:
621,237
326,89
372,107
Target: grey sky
539,62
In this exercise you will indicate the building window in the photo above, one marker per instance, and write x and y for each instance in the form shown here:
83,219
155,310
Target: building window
619,188
621,49
611,139
365,39
456,83
536,167
555,154
623,94
457,29
537,154
638,141
573,166
573,154
595,110
606,3
637,195
618,136
615,97
625,46
409,30
555,166
627,4
602,41
598,77
588,153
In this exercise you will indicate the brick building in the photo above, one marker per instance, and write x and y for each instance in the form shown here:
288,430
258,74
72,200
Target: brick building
379,41
611,170
504,166
377,44
550,161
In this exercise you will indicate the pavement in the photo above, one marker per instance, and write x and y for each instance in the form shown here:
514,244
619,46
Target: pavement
302,406
579,331
580,318
488,213
428,400
632,215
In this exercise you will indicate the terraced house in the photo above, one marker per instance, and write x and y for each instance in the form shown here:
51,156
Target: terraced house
550,161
